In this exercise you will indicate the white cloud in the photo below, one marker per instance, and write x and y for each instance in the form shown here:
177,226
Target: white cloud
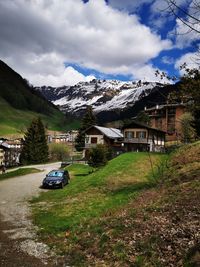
38,36
69,76
185,31
191,60
184,36
168,60
147,73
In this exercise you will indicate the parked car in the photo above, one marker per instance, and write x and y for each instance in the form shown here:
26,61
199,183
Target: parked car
56,179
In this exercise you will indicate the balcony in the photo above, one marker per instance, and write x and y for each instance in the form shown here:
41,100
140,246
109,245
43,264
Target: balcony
136,140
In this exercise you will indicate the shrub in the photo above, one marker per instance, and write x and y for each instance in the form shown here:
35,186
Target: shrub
98,156
58,151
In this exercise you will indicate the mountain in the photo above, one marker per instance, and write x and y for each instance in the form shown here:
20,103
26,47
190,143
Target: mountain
103,95
111,100
19,103
19,94
157,96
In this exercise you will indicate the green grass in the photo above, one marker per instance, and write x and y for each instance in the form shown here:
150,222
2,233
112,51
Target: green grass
118,215
89,196
18,172
14,121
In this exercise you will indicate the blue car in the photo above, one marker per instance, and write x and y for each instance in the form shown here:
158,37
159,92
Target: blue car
56,179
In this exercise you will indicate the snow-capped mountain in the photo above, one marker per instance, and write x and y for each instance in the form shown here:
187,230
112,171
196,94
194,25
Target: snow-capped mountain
103,95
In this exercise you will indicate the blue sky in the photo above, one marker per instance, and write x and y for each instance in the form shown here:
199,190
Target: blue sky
63,42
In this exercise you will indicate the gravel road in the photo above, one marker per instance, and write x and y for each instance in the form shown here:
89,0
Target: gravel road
18,238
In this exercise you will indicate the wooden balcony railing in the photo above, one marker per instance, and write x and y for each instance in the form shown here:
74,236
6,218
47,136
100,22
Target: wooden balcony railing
136,140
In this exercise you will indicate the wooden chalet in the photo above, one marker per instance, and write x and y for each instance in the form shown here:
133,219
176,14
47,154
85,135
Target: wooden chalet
110,137
141,137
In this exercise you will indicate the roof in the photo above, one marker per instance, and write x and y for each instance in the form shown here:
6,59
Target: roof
138,124
111,133
165,105
4,144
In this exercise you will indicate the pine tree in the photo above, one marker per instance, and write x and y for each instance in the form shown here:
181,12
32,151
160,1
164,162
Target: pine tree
88,120
35,148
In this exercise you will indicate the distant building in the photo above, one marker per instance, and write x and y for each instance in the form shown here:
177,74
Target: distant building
140,137
110,137
10,152
1,155
167,118
57,137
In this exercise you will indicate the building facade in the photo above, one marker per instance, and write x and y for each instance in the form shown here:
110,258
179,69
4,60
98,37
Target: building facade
110,137
140,137
10,152
167,118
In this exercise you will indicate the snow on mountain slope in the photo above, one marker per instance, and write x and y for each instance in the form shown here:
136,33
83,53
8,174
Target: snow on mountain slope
101,94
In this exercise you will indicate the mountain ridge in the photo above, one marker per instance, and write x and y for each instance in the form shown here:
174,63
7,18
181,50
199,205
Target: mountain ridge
102,95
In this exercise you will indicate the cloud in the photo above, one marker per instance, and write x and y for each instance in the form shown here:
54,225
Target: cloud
186,30
191,60
147,73
69,76
38,36
168,60
184,35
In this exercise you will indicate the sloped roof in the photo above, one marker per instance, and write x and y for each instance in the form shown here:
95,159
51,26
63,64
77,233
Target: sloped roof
157,107
138,124
4,144
109,132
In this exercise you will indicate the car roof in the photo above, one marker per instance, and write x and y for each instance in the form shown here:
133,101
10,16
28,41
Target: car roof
56,171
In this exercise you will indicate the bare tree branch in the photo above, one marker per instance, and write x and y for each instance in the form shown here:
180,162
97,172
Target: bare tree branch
193,20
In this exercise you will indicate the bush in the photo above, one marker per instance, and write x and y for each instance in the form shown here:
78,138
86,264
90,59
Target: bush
58,151
98,156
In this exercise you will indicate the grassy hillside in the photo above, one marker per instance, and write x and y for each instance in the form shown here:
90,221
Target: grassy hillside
19,103
89,199
13,121
124,215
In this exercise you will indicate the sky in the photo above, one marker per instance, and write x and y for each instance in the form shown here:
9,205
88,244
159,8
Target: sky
63,42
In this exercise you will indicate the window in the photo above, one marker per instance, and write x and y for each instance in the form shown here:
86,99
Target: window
93,140
129,134
141,134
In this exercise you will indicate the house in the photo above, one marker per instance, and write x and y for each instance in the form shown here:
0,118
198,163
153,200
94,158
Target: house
57,137
1,155
10,152
167,118
141,137
110,137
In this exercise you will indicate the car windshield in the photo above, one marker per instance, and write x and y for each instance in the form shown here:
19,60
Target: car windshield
55,174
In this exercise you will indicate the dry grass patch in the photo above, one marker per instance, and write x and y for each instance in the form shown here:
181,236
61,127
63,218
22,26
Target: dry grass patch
136,172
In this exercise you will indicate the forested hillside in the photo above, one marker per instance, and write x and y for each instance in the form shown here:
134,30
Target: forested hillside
19,103
19,94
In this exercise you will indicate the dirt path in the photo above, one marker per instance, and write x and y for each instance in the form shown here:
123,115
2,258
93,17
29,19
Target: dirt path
18,239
